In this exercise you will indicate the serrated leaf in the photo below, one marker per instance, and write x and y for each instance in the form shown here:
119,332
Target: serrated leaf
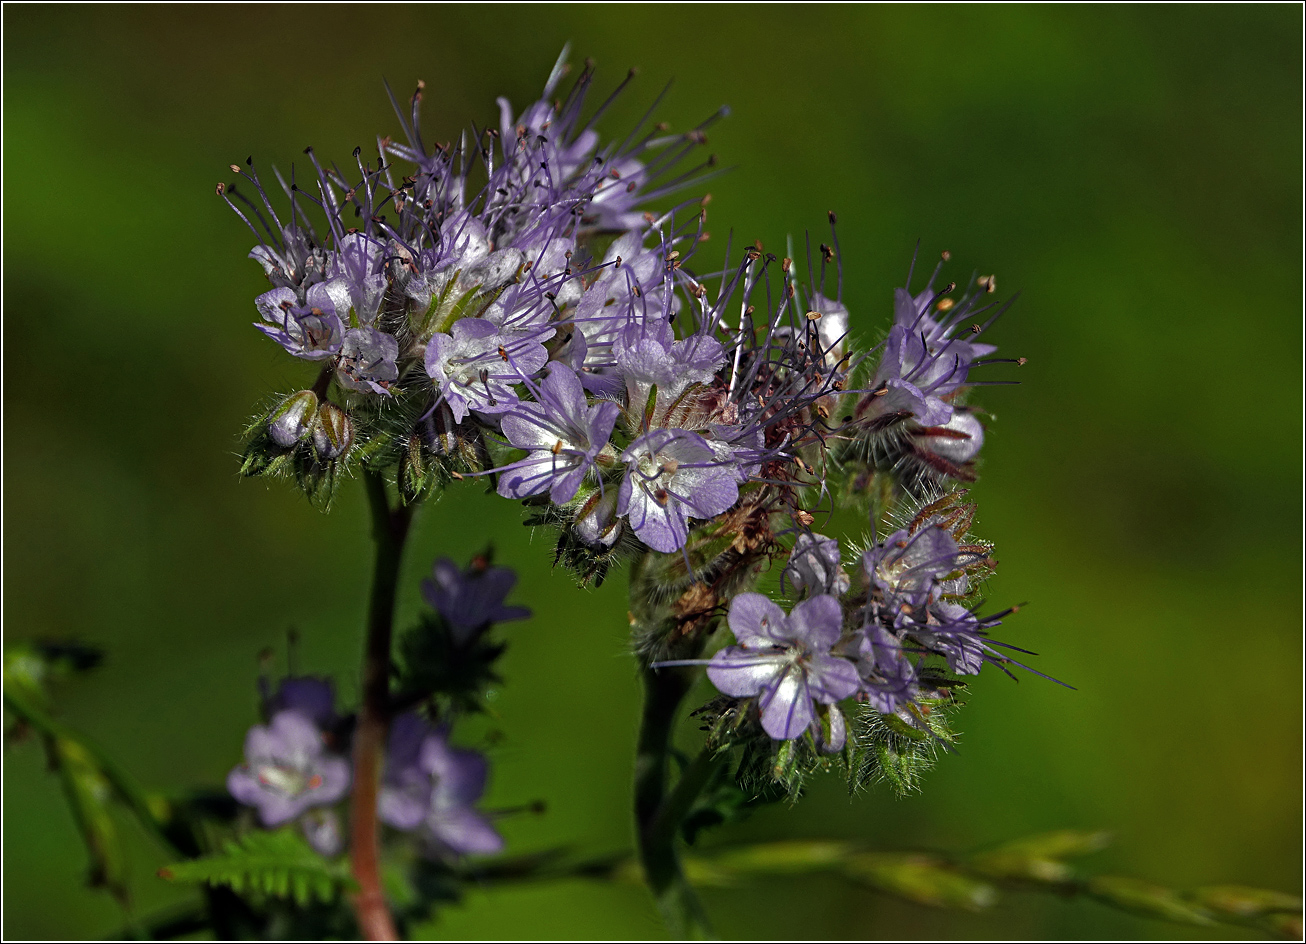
280,864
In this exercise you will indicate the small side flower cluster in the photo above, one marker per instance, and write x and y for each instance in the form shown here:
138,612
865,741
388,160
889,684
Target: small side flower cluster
297,766
912,421
882,639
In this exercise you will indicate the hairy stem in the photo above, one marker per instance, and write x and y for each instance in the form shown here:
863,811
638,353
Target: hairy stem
390,529
664,690
681,798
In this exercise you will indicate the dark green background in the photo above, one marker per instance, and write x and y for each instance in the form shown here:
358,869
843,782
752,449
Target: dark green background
1135,172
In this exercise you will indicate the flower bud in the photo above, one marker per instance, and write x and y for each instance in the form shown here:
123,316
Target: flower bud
293,420
334,432
598,525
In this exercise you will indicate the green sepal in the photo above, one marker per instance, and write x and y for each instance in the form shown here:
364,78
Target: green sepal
431,665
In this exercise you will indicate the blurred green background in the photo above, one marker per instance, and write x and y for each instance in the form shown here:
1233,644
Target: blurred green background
1134,172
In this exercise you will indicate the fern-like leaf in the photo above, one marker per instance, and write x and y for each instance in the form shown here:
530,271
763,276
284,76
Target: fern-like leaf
279,864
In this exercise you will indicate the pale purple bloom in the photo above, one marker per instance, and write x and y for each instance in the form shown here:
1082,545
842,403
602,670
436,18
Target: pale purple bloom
471,599
358,262
287,769
815,565
564,435
472,373
650,355
293,262
432,787
312,697
784,660
312,332
888,676
957,634
672,475
907,568
367,361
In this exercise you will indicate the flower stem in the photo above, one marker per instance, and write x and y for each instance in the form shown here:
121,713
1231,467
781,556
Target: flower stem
390,529
664,690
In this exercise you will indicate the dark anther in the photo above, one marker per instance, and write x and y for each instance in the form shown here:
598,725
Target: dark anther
833,218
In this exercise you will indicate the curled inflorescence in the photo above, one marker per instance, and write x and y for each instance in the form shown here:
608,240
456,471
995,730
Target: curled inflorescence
521,307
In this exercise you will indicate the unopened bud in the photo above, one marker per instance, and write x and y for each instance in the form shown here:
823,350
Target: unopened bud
293,419
334,432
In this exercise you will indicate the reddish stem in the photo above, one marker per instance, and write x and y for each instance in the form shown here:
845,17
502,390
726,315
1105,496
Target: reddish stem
390,529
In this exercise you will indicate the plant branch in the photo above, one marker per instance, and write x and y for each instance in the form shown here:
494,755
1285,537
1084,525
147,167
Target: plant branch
390,530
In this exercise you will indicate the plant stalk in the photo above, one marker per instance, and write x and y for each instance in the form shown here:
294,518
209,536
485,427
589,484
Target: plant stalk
390,530
664,690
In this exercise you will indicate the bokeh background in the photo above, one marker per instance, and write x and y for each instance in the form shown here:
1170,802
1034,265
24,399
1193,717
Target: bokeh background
1134,172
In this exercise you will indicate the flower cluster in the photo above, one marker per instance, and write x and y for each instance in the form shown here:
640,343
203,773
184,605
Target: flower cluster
297,767
542,329
873,641
511,308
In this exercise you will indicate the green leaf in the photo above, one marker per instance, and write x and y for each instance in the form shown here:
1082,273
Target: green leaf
280,864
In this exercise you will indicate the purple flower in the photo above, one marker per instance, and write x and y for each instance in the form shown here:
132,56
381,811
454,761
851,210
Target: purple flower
888,677
672,475
907,568
471,599
313,332
314,698
471,371
293,261
784,660
287,769
432,787
563,434
367,361
924,363
957,634
815,565
649,355
357,264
